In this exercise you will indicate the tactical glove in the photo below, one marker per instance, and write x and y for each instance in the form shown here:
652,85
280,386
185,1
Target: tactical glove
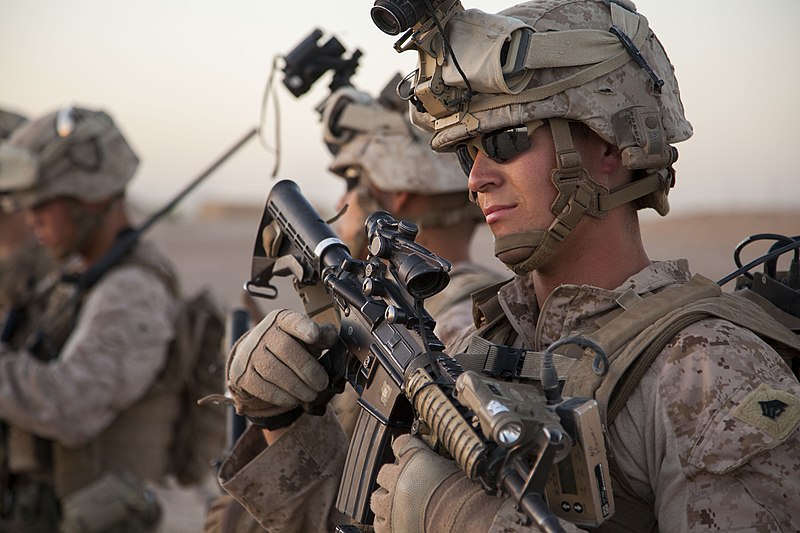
424,491
274,367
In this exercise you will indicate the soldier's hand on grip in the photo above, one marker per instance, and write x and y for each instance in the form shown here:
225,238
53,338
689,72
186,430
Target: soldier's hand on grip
274,367
407,486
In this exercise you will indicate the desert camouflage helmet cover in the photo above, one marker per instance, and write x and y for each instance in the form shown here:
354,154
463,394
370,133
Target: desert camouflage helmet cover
73,152
379,142
9,121
575,67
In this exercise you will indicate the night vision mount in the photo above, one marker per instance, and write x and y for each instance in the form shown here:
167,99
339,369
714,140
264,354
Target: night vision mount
309,60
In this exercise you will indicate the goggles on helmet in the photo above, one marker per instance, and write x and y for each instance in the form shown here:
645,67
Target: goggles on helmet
500,145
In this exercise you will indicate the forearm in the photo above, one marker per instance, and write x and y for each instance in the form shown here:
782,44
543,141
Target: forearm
290,485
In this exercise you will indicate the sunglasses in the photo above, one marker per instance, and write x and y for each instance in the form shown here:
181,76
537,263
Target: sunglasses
499,145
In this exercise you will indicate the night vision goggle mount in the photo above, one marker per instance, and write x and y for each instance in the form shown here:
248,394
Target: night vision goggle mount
309,60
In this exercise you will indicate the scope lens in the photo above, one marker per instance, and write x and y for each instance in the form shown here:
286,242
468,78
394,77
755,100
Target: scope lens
388,19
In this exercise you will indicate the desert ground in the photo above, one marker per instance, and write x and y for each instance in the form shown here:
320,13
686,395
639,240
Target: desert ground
212,249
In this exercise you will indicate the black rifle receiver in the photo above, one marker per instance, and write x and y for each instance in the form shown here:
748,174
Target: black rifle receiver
388,352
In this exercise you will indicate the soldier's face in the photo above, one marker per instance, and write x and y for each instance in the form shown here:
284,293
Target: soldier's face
53,224
516,196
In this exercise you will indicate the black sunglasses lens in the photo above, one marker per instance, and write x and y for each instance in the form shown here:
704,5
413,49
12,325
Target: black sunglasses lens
504,145
464,158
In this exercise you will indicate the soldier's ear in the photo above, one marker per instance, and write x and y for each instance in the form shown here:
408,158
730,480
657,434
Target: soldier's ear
399,203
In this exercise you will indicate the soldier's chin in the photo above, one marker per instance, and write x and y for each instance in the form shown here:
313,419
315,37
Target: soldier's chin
515,256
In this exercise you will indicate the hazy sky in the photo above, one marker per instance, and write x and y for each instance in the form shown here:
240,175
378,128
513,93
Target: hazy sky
184,80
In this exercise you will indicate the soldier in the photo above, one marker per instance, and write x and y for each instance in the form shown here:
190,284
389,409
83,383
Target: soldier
387,166
563,113
23,262
91,382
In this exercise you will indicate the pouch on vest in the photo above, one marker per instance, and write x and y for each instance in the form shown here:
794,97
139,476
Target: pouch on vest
198,352
115,503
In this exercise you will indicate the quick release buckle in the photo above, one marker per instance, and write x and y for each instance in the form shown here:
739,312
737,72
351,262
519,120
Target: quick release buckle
503,362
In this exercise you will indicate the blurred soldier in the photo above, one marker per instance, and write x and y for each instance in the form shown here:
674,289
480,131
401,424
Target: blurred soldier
93,377
23,262
387,166
563,113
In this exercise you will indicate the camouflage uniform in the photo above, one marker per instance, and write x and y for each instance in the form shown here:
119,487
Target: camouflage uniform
95,399
452,308
681,440
94,381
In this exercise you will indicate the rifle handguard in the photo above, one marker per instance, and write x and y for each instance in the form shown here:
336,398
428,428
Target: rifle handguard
446,422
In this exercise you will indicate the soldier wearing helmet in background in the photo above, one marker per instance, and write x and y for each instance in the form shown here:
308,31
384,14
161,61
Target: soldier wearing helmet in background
90,379
22,261
563,114
387,165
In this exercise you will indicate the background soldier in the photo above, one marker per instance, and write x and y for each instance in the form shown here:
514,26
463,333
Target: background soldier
388,166
23,262
91,379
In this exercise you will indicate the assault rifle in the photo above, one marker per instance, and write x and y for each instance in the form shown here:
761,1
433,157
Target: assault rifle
388,353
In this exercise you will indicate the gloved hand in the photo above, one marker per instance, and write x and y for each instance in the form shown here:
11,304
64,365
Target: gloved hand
425,492
274,368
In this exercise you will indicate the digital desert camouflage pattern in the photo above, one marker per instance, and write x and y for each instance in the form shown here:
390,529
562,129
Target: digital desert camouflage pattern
291,486
380,143
593,102
452,308
111,358
693,441
92,162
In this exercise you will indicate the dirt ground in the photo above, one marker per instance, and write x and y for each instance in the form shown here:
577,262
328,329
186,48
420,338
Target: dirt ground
214,249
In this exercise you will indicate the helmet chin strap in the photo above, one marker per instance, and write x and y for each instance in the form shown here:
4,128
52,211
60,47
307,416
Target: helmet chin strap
578,195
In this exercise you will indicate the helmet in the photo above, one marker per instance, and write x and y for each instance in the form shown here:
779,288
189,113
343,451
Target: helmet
73,152
374,138
589,61
9,122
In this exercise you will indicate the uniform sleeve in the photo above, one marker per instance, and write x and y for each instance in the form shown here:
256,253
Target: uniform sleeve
711,436
111,358
290,486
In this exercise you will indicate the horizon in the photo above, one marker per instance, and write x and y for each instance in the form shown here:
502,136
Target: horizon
185,81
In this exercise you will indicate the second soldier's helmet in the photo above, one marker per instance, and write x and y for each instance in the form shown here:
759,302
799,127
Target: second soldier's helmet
9,121
73,152
374,138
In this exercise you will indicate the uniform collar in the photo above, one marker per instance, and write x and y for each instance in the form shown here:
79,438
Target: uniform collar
574,309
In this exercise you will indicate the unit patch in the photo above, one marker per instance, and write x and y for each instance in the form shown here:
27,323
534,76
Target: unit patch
773,411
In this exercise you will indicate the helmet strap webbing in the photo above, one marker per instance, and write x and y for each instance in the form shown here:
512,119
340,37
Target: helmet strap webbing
578,195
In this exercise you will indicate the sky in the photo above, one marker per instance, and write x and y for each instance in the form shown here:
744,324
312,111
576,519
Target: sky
185,79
